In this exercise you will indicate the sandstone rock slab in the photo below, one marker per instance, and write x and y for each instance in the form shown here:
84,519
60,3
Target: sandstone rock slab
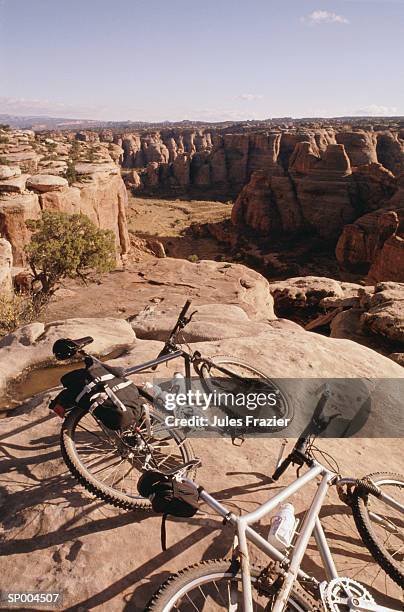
31,346
46,182
7,172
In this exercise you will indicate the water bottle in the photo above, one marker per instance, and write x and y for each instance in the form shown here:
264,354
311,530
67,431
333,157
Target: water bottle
156,392
177,383
283,527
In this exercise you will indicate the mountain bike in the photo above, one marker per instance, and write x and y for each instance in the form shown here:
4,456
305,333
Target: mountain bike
109,462
235,584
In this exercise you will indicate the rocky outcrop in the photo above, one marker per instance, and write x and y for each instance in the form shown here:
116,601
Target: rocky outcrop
96,188
374,243
359,145
6,262
389,262
103,199
390,151
384,311
42,183
31,346
374,318
15,210
314,196
8,172
169,282
373,186
302,296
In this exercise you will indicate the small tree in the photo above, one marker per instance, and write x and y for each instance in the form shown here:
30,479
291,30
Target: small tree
67,246
70,172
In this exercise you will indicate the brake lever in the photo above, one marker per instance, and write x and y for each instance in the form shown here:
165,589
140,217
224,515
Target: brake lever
187,320
323,423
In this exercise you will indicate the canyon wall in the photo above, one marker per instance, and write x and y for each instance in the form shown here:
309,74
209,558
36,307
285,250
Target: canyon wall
337,193
223,161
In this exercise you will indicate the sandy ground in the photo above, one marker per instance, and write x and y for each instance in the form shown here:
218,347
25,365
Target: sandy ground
168,221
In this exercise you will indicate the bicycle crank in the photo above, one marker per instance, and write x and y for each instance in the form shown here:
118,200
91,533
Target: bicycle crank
346,595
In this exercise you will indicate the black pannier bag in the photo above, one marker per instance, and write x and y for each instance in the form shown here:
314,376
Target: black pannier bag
114,401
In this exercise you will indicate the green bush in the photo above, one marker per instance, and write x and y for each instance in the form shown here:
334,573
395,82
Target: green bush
67,246
193,258
70,172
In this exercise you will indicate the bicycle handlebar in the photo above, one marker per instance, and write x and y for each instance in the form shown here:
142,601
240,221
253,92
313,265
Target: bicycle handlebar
180,324
316,426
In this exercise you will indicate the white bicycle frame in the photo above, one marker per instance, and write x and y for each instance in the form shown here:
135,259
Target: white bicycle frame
311,526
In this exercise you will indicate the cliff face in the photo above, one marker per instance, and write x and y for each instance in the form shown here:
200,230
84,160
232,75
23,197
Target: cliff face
6,261
322,194
96,188
224,161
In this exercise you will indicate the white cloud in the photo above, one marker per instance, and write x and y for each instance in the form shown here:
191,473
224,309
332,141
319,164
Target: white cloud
319,17
250,97
376,110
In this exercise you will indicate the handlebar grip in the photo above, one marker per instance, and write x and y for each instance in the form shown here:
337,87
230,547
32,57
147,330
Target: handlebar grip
321,405
282,468
83,341
185,308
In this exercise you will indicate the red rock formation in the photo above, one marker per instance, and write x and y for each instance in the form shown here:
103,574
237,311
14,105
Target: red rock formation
314,196
390,151
359,145
103,200
389,262
6,262
15,210
374,186
362,244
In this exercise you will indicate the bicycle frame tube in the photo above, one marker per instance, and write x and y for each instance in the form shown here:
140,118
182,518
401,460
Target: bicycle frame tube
157,361
254,517
302,542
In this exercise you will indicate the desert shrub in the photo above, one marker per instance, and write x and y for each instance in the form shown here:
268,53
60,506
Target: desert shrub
75,150
193,258
70,172
4,139
3,161
15,311
91,154
67,246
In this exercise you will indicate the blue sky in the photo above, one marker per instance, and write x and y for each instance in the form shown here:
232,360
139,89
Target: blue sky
209,59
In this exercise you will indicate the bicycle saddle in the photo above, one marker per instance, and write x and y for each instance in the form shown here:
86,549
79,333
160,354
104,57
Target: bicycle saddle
64,348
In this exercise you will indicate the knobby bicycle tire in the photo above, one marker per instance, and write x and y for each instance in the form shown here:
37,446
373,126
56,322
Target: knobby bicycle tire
88,480
228,361
192,577
364,525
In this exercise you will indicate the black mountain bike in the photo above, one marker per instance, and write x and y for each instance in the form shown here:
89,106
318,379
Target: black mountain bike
108,462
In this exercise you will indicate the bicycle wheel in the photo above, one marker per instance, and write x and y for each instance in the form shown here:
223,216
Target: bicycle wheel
208,585
109,464
224,374
382,527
